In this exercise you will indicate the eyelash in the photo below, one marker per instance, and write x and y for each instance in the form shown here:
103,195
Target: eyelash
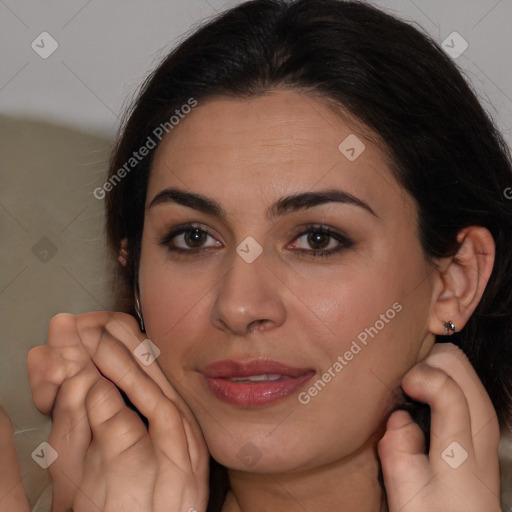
344,241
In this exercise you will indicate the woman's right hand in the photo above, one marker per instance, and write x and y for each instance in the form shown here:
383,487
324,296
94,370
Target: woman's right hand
107,459
12,493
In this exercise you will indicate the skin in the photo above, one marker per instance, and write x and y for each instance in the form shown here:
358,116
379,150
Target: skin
310,311
290,306
12,493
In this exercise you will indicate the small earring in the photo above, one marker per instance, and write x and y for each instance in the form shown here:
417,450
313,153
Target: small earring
138,309
449,326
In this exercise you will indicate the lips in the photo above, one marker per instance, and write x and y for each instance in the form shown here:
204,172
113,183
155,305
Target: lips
254,383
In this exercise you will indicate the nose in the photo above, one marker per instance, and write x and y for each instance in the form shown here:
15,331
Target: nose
249,298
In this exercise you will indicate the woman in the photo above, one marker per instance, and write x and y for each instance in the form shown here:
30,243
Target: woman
307,203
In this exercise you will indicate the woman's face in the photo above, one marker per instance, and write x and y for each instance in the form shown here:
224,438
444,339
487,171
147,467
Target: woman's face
325,337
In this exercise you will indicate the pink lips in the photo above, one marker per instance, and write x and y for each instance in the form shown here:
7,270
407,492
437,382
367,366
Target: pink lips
270,381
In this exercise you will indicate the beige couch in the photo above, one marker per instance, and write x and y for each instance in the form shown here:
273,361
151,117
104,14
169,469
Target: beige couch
53,258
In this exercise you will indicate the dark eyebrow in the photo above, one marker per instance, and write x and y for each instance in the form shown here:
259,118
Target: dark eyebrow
282,207
310,199
195,201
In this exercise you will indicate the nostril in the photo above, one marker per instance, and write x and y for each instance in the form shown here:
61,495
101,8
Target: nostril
258,325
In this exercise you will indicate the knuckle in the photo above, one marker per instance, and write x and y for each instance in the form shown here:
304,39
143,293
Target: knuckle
445,354
94,327
43,368
448,392
132,322
103,403
438,379
70,396
416,373
91,323
99,392
394,466
124,328
119,431
36,358
128,426
59,323
123,318
63,318
428,377
91,328
386,447
128,439
167,413
443,381
401,436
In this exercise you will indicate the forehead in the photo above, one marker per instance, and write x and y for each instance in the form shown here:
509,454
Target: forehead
280,142
277,119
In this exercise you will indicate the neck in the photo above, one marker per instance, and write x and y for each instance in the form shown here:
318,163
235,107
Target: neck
348,484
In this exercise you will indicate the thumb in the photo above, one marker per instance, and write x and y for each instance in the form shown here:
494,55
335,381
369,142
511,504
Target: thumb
403,459
403,434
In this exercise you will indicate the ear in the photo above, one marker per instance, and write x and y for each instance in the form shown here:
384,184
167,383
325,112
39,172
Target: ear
462,279
123,252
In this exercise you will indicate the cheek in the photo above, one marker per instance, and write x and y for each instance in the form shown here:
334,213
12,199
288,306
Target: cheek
175,303
373,341
168,290
368,326
352,305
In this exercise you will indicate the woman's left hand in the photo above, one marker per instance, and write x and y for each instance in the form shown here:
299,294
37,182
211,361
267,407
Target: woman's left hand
461,470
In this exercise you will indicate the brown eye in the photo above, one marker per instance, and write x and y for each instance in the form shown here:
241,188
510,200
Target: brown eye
189,238
318,240
195,237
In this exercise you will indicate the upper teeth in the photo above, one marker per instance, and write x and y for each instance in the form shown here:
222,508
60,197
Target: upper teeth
256,378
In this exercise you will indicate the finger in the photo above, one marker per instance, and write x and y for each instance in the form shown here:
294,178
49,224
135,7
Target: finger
402,454
73,340
117,364
450,419
62,357
45,375
403,434
112,350
194,455
173,428
402,437
70,436
109,342
115,359
121,329
121,448
120,326
65,355
12,492
484,422
115,428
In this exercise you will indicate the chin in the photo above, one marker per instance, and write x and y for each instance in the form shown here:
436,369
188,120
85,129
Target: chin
261,453
254,460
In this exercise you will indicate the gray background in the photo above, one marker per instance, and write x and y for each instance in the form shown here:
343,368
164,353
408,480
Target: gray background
107,46
57,119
